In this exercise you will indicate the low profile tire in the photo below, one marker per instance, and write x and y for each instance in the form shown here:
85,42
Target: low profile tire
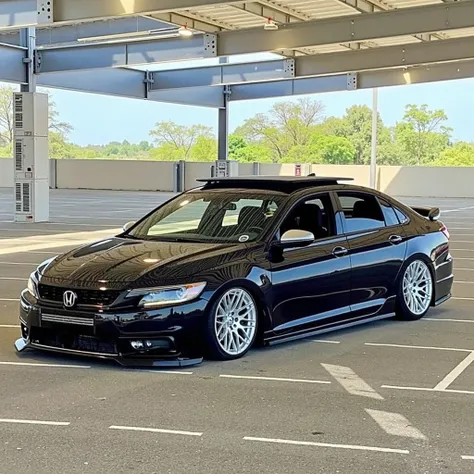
415,292
231,324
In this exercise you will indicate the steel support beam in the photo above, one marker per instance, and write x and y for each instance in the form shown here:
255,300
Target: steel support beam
12,67
129,53
224,74
319,65
29,12
223,122
198,96
28,40
365,80
346,29
116,82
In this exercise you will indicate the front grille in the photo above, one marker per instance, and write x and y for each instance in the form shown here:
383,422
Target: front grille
84,297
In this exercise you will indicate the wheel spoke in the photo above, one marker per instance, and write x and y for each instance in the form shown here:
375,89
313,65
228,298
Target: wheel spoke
417,287
235,321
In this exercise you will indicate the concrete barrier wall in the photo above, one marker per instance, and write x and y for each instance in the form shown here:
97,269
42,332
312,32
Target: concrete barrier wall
195,170
6,173
159,176
127,175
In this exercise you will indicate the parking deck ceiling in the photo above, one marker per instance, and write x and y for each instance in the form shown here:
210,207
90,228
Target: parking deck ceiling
324,45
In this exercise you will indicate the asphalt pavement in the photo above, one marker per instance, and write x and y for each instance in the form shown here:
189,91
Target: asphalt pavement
389,397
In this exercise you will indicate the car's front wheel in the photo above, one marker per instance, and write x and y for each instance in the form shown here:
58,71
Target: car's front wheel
232,324
415,291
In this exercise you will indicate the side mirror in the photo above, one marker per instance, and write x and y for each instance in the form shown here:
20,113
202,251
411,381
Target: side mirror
294,238
128,225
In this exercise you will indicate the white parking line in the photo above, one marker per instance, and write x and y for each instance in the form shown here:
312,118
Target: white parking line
462,299
450,320
174,372
35,422
455,373
469,458
9,326
13,278
464,282
326,341
155,430
33,364
351,382
19,263
275,379
458,209
427,389
328,445
407,346
9,299
395,424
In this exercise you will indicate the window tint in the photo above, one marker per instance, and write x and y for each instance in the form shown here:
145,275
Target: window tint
402,218
314,215
388,213
361,212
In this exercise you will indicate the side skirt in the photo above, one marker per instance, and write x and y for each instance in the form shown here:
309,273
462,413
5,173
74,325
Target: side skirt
281,339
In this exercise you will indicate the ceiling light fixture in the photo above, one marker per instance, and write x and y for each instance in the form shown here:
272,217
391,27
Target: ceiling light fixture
185,31
270,25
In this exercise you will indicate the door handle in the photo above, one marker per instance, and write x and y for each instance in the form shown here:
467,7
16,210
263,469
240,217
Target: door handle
395,239
339,251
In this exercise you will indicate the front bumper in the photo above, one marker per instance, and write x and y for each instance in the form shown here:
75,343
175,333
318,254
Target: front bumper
166,337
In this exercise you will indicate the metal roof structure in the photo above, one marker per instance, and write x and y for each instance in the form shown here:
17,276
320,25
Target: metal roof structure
113,46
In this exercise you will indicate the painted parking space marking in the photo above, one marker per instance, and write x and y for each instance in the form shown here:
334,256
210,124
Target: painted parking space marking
327,445
274,379
351,382
407,346
469,458
39,364
172,372
427,389
450,320
395,424
455,373
9,299
326,341
19,263
443,385
9,326
155,430
35,422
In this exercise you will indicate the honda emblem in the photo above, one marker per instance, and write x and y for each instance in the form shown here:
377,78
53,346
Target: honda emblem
69,298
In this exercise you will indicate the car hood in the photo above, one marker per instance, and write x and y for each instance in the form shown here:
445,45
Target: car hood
117,262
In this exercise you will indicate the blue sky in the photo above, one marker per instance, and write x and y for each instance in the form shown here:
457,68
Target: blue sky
101,119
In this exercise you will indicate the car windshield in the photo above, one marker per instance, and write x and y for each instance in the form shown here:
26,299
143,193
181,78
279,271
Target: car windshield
215,216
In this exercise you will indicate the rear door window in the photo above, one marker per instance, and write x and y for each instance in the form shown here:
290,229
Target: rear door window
361,212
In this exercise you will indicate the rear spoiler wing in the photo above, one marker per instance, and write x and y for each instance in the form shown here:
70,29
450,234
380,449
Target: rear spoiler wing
431,213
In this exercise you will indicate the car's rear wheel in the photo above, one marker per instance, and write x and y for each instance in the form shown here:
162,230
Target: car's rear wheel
416,291
232,324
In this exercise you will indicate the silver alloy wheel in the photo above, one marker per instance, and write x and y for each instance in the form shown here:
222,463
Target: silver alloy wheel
417,287
235,321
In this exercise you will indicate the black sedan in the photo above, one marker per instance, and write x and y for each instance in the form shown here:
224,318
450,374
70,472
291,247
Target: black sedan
235,262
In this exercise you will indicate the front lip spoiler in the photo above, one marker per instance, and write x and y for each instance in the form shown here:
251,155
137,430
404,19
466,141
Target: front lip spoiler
22,344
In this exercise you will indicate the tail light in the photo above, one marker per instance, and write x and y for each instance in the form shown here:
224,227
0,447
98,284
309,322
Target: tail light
445,231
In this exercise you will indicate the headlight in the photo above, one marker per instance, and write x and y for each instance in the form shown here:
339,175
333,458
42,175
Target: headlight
33,285
167,295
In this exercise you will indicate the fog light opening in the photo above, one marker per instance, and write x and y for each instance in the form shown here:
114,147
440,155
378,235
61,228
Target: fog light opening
137,345
24,331
150,344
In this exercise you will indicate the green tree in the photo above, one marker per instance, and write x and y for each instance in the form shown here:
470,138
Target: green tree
460,154
356,126
288,124
181,138
422,134
205,149
323,149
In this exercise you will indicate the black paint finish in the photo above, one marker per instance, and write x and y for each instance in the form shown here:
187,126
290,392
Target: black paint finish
334,281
